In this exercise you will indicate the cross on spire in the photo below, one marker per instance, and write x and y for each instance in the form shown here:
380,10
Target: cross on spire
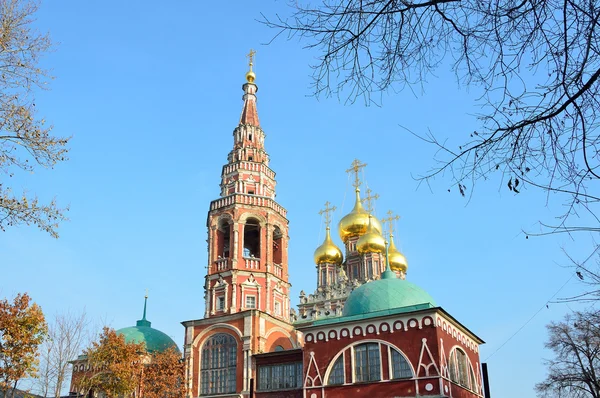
369,200
356,166
390,221
250,56
327,211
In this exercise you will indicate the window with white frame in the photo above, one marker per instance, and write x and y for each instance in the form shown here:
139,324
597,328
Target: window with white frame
220,303
336,375
218,365
250,301
367,362
285,376
461,371
277,308
400,367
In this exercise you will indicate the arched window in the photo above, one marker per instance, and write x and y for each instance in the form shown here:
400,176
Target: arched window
400,367
252,238
461,371
277,245
336,376
223,239
367,362
218,371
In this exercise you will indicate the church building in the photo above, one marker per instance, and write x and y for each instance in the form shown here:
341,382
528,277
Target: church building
154,341
364,331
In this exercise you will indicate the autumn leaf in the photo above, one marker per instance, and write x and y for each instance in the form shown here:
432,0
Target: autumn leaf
22,329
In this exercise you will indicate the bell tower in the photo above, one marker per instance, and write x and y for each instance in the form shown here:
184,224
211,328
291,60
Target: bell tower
246,288
247,228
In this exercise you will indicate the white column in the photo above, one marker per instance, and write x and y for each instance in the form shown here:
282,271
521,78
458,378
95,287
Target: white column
235,250
233,297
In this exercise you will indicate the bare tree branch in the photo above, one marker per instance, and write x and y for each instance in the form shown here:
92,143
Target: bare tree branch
25,140
535,63
576,345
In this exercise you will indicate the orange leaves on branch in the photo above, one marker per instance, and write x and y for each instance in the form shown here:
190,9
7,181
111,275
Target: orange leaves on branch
164,375
22,329
116,366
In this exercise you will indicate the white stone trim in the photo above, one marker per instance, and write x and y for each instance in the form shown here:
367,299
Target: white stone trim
425,347
341,353
213,327
456,332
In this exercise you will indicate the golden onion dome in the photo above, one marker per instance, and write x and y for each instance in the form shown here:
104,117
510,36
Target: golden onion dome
328,252
396,259
250,76
356,222
371,241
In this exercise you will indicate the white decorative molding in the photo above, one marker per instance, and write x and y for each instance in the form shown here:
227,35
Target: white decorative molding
452,330
426,351
443,361
350,349
376,327
277,329
209,329
310,381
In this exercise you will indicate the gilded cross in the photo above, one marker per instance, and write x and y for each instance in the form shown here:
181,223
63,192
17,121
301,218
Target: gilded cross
251,58
356,166
146,296
390,221
327,211
369,200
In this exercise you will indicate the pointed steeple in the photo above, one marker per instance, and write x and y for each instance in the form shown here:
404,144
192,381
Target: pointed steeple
143,321
388,273
238,240
249,112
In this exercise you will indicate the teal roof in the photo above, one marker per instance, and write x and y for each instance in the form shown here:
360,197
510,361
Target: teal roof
155,340
360,317
384,294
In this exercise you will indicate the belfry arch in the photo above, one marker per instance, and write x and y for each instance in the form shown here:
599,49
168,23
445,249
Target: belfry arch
252,232
224,239
277,245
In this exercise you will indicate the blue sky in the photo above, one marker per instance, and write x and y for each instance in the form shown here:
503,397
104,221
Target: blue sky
151,92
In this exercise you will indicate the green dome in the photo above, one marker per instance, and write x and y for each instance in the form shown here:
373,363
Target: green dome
387,293
155,340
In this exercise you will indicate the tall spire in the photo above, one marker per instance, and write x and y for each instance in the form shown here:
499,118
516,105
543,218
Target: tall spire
249,112
143,321
388,273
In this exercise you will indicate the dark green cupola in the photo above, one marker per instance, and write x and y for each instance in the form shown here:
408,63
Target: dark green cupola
387,293
155,340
